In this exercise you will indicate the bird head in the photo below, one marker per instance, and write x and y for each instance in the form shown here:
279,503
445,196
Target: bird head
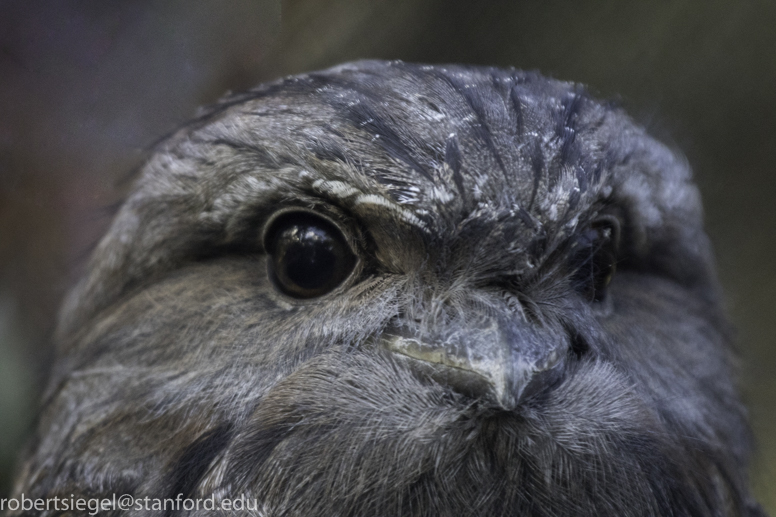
395,289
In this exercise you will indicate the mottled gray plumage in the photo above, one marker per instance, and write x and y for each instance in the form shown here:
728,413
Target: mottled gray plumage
462,369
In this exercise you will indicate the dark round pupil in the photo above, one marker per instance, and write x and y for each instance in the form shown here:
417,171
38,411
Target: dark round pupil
306,256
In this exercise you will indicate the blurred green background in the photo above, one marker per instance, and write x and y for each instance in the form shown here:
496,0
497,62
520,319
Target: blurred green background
86,86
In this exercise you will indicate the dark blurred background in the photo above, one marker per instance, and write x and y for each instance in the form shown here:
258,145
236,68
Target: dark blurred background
87,86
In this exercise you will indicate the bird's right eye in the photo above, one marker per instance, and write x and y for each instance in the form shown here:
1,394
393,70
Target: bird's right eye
594,259
308,255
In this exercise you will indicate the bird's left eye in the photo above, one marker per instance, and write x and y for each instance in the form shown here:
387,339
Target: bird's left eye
308,255
594,258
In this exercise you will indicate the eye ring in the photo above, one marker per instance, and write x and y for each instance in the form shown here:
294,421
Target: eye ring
308,254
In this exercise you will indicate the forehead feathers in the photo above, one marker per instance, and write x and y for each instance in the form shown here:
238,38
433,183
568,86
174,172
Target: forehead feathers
443,142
